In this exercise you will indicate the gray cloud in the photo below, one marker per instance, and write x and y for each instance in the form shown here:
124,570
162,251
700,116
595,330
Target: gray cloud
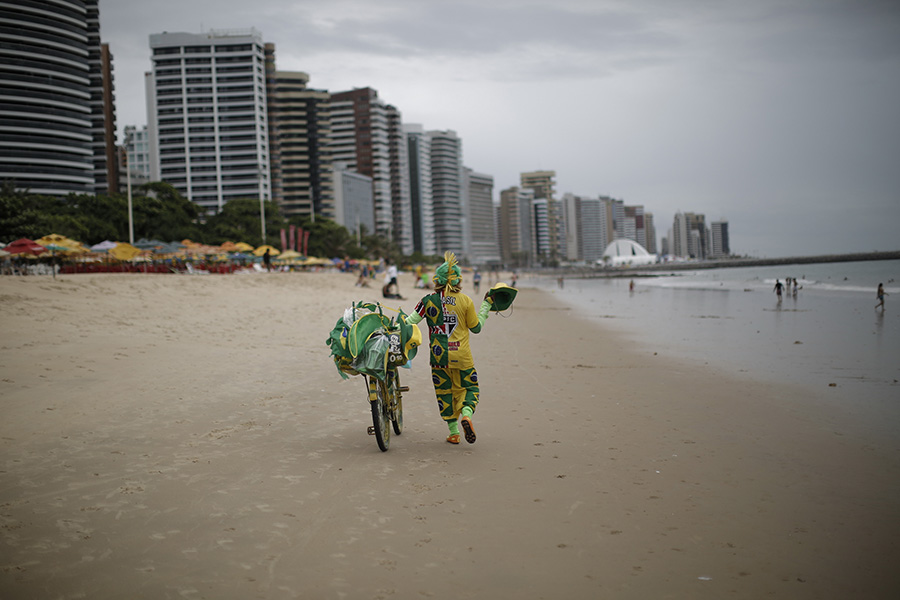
770,113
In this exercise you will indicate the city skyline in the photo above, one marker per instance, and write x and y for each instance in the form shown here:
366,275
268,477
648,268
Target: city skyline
776,117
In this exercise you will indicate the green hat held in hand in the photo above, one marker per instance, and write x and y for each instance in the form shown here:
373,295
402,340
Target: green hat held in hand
501,297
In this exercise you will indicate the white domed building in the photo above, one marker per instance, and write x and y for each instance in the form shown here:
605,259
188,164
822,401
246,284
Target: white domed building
622,253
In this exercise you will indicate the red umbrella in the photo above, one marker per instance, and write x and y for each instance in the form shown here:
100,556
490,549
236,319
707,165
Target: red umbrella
25,246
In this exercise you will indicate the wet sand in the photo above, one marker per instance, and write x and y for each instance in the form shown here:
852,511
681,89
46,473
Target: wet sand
188,437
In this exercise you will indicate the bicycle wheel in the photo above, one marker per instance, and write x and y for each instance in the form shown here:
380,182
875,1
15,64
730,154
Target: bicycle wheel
378,398
397,405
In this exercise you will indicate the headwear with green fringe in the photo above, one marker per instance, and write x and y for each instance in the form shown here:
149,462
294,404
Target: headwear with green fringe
448,274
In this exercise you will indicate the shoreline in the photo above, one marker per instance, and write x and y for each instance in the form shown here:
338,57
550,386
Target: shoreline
191,437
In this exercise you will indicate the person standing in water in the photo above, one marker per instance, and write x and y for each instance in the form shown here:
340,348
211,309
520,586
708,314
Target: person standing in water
880,294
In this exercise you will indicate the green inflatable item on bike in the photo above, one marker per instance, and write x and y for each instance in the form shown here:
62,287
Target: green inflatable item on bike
362,329
502,297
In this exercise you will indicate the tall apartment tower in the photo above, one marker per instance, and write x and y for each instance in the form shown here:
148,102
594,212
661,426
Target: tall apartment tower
208,115
299,132
137,148
360,140
698,236
571,212
517,225
447,190
650,233
720,245
678,236
103,115
593,219
481,247
45,84
544,185
421,202
401,204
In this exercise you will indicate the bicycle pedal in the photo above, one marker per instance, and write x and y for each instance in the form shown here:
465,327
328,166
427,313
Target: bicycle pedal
403,388
370,430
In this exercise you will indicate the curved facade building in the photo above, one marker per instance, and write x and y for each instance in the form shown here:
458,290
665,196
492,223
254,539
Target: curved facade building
45,112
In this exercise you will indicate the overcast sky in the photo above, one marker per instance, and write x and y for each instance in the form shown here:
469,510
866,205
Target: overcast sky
781,116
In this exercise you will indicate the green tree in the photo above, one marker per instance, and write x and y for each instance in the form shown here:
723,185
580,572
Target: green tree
327,239
238,221
162,213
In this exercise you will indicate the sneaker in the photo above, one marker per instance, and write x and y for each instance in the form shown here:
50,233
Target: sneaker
467,426
453,439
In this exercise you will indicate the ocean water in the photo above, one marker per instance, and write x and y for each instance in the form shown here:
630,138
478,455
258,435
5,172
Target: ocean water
829,332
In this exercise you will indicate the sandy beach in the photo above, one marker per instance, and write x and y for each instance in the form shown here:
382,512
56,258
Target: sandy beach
175,436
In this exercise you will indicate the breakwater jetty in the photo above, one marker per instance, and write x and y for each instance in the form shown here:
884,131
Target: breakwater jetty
632,271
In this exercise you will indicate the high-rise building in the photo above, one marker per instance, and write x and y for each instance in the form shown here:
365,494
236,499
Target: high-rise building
137,148
208,115
544,185
353,200
421,204
46,108
698,235
650,233
594,229
360,138
678,236
517,225
588,229
689,236
571,212
720,245
540,240
103,115
299,133
401,205
481,247
446,190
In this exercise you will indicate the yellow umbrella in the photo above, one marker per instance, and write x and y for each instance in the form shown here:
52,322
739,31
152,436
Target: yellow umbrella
262,250
315,261
244,247
61,241
124,251
288,254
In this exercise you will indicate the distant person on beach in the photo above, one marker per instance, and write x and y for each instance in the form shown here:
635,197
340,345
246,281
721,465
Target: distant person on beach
267,260
778,288
363,279
880,294
391,287
476,279
450,315
514,279
631,285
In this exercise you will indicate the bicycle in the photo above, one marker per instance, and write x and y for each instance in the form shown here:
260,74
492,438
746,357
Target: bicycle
366,342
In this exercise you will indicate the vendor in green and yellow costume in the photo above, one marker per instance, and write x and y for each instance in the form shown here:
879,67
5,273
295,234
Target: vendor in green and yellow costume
450,316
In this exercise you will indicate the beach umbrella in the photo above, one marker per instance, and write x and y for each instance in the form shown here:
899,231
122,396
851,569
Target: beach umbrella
244,247
25,246
289,254
124,251
103,246
61,243
273,251
145,244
